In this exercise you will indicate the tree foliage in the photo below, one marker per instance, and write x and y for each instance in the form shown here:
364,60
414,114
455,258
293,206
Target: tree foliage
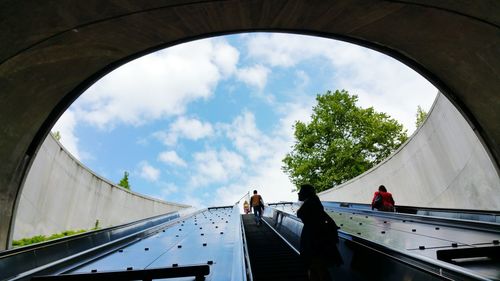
57,135
421,116
124,181
341,141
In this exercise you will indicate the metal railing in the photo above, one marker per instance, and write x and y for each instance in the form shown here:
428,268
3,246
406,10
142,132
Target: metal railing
20,263
289,228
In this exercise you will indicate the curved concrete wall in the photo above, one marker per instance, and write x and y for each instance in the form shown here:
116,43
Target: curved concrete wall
61,194
442,165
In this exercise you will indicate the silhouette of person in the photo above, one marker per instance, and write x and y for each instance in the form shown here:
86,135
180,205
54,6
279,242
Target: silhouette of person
382,200
319,236
257,204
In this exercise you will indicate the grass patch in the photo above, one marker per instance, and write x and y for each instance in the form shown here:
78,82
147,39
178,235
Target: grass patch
43,238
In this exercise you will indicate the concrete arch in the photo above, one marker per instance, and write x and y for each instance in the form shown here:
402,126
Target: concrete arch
52,51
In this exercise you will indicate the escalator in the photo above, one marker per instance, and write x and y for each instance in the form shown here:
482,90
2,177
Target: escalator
270,257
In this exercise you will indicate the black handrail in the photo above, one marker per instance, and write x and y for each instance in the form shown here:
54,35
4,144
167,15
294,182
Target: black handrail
198,271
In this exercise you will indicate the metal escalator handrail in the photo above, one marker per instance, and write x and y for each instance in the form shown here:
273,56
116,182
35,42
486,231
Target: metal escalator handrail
198,271
245,251
238,267
80,235
23,262
406,258
455,222
459,223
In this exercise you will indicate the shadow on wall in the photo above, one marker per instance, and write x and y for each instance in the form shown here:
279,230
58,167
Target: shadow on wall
60,194
442,165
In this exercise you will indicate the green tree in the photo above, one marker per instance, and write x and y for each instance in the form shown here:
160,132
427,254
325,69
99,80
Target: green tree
421,115
341,141
57,135
124,181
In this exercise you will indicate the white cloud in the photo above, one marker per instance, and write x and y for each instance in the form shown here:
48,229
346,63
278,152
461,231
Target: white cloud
66,127
158,85
192,129
246,137
171,157
213,166
148,172
255,75
378,80
265,175
168,189
189,128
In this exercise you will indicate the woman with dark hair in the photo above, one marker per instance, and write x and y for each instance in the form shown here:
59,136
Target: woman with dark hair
382,200
319,236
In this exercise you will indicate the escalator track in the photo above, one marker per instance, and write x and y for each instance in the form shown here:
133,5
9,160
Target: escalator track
270,257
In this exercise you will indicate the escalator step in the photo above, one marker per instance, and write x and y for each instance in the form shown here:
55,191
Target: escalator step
270,257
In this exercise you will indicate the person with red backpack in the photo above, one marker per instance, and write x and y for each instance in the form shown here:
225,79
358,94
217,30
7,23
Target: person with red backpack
257,204
382,200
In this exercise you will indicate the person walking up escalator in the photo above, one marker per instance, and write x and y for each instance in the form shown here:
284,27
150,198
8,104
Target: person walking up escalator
257,204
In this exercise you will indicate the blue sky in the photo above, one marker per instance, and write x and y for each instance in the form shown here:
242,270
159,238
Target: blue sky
204,122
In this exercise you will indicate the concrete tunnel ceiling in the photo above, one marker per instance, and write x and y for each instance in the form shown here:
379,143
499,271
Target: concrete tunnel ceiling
52,52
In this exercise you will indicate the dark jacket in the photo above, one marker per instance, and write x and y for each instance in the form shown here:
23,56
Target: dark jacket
319,234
